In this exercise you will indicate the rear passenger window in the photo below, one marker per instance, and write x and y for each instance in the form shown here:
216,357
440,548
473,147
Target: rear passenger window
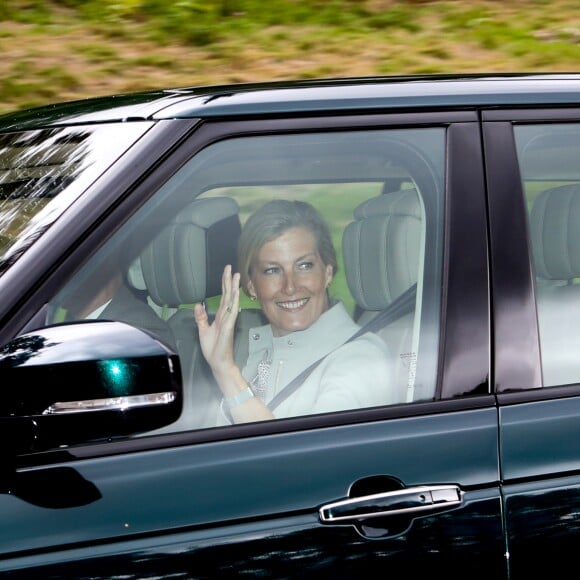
549,158
338,239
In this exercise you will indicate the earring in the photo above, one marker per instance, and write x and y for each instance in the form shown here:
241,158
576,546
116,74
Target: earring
252,298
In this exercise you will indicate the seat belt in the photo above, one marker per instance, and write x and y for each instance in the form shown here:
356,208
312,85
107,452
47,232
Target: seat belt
403,304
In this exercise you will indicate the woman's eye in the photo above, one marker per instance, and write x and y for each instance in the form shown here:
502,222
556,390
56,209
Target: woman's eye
271,270
305,265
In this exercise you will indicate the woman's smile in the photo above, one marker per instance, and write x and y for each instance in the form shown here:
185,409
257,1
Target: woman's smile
294,305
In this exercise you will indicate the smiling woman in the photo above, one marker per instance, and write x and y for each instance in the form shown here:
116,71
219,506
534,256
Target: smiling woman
287,263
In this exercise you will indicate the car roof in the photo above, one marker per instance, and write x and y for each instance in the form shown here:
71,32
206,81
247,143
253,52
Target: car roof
308,96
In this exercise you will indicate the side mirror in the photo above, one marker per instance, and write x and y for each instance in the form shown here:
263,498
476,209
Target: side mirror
90,380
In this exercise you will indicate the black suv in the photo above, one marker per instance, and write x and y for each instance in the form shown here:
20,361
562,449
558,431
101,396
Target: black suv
454,209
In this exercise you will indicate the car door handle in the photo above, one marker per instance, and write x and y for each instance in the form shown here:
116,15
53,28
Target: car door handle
400,502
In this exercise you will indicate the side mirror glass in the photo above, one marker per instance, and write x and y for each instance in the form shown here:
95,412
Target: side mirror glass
89,380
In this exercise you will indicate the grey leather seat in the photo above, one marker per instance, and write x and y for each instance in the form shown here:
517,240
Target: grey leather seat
181,267
136,281
555,237
381,252
129,304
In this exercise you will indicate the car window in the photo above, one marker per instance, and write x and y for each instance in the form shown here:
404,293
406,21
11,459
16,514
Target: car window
549,159
43,171
320,327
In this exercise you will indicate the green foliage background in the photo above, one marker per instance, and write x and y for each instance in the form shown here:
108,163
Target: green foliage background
67,49
56,50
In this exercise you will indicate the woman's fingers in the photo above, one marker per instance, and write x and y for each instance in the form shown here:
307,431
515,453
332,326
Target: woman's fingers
236,292
227,311
223,324
226,290
225,275
217,336
230,299
200,315
231,302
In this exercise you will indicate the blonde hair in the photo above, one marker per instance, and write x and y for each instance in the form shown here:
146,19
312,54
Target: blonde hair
272,220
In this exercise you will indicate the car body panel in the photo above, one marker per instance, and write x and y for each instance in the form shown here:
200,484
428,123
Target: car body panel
320,96
191,488
541,486
515,320
540,439
244,500
276,550
539,432
411,94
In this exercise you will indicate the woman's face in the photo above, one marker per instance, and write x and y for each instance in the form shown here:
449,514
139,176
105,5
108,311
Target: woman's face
290,280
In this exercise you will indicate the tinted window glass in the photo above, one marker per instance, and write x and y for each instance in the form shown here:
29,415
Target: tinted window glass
304,297
549,157
42,172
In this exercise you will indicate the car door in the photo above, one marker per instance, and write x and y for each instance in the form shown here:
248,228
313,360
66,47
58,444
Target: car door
533,185
411,486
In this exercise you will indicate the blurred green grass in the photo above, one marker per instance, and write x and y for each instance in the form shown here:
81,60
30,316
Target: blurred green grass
66,49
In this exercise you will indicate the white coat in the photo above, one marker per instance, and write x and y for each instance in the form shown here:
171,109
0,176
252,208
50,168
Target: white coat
350,376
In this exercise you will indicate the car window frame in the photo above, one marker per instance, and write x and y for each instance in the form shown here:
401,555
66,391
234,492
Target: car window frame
464,272
517,379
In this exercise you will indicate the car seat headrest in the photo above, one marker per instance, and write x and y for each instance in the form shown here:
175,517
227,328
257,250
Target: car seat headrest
555,240
381,248
184,264
135,277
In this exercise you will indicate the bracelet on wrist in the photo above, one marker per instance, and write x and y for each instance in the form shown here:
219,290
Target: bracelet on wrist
241,397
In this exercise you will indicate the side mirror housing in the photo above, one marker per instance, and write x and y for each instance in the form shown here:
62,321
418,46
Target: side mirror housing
91,380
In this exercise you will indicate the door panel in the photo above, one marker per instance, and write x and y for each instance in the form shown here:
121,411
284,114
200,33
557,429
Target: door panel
219,525
535,307
245,500
268,551
541,461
